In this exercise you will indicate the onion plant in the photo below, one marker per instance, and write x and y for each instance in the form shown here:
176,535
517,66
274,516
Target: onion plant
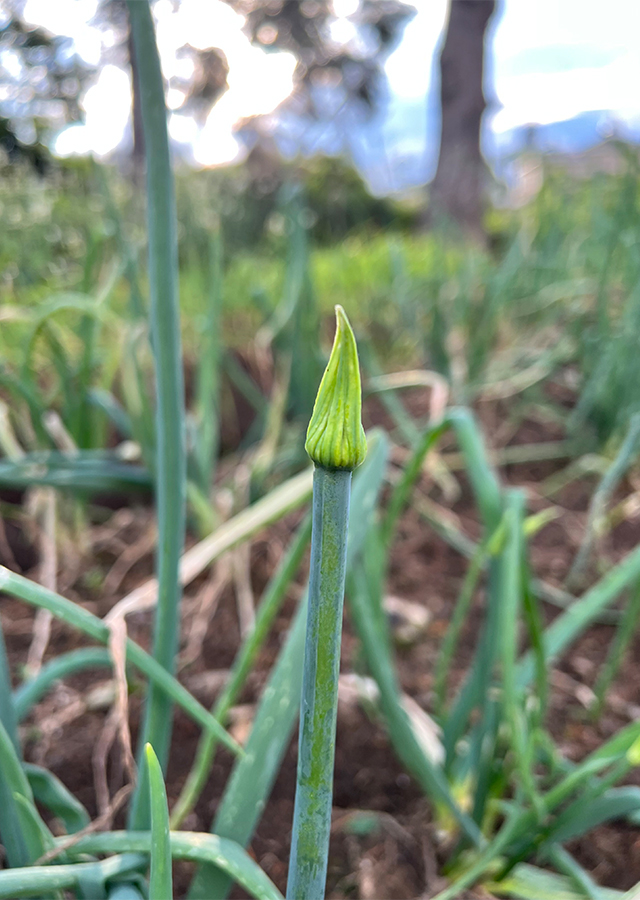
337,445
170,459
160,881
499,788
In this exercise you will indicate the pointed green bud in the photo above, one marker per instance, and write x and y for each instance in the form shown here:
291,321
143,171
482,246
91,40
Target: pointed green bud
335,437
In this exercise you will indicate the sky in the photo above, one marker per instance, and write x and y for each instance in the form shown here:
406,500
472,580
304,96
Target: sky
548,61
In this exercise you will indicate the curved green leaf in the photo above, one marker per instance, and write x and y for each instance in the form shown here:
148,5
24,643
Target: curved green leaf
160,881
197,847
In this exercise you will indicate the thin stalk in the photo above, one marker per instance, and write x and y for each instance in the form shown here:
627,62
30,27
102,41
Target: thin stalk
312,814
336,443
564,630
160,880
50,792
511,590
250,783
482,477
170,469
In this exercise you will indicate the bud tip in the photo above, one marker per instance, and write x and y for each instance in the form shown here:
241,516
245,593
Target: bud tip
335,437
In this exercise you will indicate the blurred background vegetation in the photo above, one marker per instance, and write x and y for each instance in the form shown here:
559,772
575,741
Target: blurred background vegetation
505,282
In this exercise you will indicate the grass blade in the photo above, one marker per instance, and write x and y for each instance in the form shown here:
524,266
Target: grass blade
567,865
580,817
160,880
82,619
51,793
365,606
197,847
33,881
32,690
531,883
11,835
8,715
411,473
170,418
251,781
87,472
566,628
482,476
26,833
267,610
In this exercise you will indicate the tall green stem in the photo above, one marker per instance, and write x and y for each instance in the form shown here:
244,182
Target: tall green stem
312,815
170,470
336,443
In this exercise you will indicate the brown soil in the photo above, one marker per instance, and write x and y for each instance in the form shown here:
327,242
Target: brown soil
400,856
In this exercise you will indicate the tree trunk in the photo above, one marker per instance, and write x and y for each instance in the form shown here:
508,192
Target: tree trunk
457,190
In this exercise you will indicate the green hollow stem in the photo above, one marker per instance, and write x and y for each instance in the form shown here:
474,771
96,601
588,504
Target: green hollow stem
316,749
268,609
170,457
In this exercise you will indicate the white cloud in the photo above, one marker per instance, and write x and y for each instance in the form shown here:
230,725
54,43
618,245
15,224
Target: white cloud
525,24
528,31
409,67
106,106
256,87
258,80
70,18
183,129
599,70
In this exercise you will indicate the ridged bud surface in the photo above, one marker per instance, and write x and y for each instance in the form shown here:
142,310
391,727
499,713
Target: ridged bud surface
335,437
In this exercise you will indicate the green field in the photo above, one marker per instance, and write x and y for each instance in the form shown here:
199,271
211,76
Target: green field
502,402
